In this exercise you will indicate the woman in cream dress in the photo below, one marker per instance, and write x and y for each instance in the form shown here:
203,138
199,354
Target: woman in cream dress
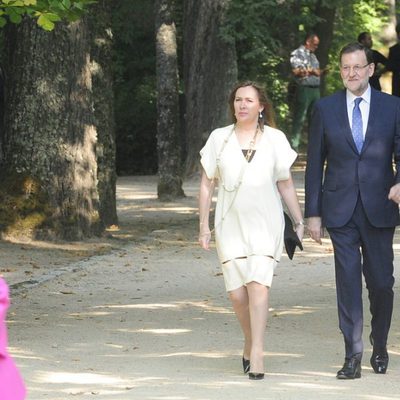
251,163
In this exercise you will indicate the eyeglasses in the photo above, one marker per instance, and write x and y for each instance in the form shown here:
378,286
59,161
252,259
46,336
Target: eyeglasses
356,69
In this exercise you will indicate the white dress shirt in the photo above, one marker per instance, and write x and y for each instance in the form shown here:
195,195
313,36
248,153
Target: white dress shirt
364,107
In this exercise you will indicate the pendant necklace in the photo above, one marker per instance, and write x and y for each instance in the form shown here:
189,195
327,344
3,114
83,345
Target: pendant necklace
250,150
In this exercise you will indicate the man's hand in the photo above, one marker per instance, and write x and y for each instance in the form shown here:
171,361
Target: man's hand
314,71
315,229
394,193
300,72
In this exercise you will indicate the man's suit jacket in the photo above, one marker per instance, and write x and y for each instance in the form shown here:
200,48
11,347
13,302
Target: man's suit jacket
333,193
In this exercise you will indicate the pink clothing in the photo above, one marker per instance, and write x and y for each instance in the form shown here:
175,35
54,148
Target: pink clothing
11,385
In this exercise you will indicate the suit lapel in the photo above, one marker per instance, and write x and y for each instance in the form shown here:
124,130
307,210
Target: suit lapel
344,121
374,110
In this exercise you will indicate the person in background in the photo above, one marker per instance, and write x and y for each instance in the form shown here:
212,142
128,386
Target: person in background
11,384
394,64
352,189
251,162
306,73
379,60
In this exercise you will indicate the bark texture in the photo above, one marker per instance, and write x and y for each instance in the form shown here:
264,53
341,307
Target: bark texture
168,142
103,100
210,70
50,136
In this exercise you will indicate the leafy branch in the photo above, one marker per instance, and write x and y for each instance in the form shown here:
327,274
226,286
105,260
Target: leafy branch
46,12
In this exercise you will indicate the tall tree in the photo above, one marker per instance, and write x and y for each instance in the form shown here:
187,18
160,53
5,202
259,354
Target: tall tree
49,160
324,28
210,70
102,83
168,146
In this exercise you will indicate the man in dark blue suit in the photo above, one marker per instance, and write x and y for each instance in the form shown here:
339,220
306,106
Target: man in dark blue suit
353,191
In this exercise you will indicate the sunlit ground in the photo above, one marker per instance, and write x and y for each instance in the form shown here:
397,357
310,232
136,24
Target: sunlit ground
153,321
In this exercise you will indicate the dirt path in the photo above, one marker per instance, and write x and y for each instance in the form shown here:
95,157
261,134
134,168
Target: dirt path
147,317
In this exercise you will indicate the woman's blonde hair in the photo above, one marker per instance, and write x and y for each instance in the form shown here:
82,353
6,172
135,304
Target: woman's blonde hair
267,115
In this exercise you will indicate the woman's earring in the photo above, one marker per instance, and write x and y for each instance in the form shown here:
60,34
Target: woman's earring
260,115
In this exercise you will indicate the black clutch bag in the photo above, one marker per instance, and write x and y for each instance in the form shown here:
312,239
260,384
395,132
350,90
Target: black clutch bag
290,238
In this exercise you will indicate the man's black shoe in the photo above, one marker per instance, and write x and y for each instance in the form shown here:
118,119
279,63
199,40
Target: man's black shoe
380,361
351,369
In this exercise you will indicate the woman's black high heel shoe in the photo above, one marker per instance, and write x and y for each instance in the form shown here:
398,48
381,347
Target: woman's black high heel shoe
246,365
255,376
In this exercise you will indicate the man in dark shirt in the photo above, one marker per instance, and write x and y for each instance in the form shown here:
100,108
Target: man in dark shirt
394,64
366,40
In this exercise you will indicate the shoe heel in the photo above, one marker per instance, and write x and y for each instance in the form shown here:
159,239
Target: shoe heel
246,365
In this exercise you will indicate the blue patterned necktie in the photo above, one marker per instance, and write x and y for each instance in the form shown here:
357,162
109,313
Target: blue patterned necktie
357,125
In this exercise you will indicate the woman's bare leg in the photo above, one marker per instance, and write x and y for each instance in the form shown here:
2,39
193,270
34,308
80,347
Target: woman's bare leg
258,311
240,303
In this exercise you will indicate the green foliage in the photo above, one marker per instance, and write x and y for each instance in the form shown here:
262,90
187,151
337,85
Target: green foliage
351,19
46,12
370,14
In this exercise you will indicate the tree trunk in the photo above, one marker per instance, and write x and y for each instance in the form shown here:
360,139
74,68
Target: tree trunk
324,29
210,70
103,101
49,144
168,143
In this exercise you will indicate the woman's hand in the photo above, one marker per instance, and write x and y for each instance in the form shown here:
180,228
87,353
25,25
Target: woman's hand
205,199
204,239
300,231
